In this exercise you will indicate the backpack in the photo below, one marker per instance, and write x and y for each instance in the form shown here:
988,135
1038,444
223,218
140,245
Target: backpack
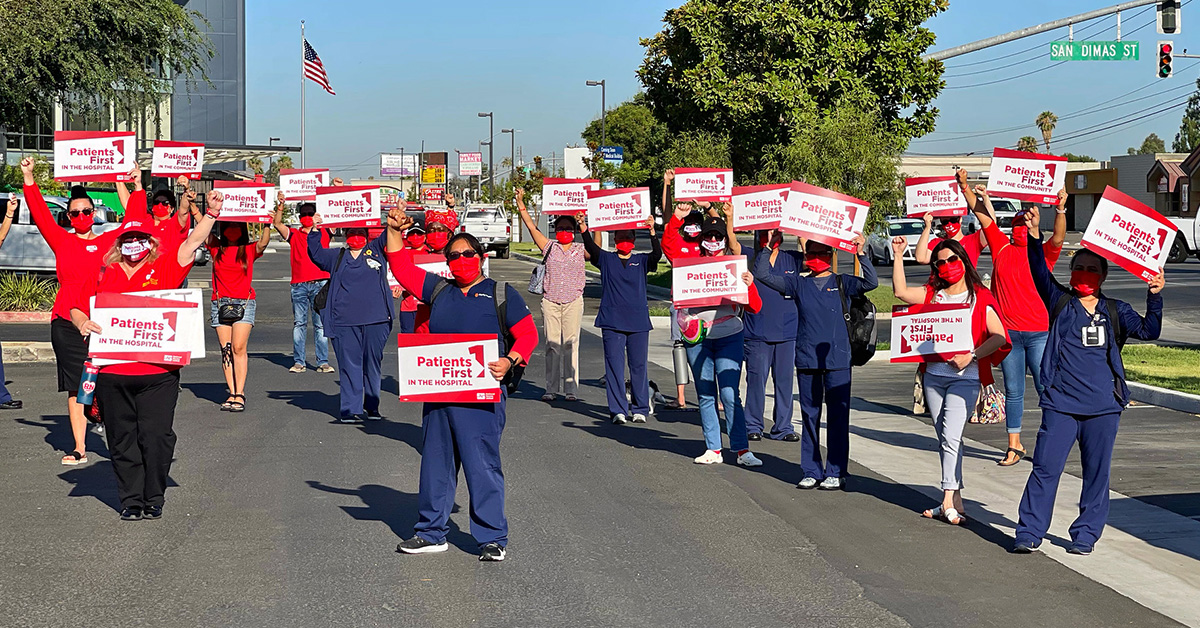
1114,319
512,379
322,296
537,278
860,325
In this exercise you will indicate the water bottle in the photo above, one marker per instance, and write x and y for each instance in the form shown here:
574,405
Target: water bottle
87,384
682,368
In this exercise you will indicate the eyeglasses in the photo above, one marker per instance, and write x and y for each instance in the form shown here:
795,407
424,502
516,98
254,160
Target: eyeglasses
75,213
453,255
713,236
942,262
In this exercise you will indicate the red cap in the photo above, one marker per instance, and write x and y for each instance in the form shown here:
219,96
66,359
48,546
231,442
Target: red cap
135,226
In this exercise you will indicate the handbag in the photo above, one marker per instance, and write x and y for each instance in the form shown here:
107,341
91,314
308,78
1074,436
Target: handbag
537,278
231,313
322,296
919,393
990,408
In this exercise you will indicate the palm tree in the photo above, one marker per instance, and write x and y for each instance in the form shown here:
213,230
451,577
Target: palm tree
255,165
1046,121
1027,144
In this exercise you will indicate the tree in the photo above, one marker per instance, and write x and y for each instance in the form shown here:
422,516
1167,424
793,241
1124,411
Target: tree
761,72
1188,138
1046,121
1071,157
84,54
279,163
255,165
1028,144
633,127
1151,145
43,174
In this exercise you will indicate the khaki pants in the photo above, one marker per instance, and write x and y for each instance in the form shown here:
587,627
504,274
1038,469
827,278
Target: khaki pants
562,345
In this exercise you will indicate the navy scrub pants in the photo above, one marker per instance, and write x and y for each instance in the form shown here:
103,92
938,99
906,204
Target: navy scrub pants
466,437
777,358
408,322
621,347
359,351
832,388
1056,437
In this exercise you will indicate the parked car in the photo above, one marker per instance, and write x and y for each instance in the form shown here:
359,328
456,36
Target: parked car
490,224
879,243
1006,210
26,250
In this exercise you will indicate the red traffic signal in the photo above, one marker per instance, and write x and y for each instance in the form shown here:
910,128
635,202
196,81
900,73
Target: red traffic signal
1166,59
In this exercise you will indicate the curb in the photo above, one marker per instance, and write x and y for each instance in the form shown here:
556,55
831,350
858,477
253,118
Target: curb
24,317
1164,398
28,352
658,292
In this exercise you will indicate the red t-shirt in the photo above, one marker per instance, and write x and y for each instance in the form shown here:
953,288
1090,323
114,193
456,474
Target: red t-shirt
229,279
169,231
1021,307
972,243
673,244
303,268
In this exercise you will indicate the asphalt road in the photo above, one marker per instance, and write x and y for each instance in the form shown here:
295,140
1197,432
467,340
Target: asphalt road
279,516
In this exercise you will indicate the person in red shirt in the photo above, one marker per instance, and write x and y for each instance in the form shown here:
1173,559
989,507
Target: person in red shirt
77,254
233,256
160,208
414,240
973,244
440,226
139,398
681,238
1021,308
307,282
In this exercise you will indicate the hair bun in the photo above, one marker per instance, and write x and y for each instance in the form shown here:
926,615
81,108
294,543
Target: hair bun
78,191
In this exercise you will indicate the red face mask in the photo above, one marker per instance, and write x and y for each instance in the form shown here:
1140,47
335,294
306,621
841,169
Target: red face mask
564,237
82,223
953,272
952,229
307,221
356,241
161,210
415,241
1020,235
624,247
764,241
1085,283
437,239
818,263
464,269
232,234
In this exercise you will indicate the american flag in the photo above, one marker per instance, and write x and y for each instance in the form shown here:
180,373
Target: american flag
314,69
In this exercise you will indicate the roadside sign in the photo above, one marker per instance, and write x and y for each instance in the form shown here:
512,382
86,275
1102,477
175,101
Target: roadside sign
433,175
470,164
614,155
1094,50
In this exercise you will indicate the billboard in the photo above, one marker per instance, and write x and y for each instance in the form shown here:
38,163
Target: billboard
395,165
470,164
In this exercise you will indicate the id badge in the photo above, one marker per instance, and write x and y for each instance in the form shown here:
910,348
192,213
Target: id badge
1093,336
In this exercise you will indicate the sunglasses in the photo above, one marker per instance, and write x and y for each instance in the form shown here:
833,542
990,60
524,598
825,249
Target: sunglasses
942,262
75,213
453,255
713,236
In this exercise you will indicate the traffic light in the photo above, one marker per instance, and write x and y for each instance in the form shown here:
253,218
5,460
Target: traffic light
1165,59
1168,17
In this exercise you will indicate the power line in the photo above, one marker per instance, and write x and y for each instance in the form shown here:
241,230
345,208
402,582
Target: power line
1010,78
1041,47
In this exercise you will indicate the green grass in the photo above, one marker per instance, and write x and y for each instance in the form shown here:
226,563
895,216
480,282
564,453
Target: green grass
1165,367
659,308
26,293
883,345
884,299
528,248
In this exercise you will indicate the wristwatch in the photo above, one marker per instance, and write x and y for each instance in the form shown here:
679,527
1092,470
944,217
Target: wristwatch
513,360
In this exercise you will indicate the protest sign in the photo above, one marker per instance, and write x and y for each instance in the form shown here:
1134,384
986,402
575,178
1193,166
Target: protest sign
759,206
301,184
931,333
703,184
448,368
567,196
824,215
94,156
940,196
1129,234
138,328
433,263
172,159
622,208
348,206
707,281
1026,176
246,201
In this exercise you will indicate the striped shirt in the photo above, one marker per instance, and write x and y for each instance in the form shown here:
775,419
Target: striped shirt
564,273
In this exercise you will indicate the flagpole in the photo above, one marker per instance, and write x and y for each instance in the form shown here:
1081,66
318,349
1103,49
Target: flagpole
302,145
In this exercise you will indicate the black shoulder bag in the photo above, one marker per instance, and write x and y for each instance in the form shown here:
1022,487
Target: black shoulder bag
860,325
322,297
512,379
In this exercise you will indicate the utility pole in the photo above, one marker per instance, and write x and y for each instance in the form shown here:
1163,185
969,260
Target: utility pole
603,110
491,164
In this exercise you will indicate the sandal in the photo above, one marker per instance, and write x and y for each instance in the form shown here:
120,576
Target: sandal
548,397
1020,456
949,515
572,398
74,458
675,405
225,407
237,406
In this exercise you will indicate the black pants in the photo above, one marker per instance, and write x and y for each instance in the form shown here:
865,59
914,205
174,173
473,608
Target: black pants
139,411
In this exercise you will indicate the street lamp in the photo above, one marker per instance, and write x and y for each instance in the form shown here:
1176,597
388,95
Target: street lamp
479,181
401,149
491,163
603,110
271,160
512,151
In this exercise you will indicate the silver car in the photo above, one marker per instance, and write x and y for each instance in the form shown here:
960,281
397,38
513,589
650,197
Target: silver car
879,243
26,250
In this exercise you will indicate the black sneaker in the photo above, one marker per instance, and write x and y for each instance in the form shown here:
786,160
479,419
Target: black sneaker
418,545
791,438
353,419
1024,547
152,512
374,416
753,436
1080,550
131,514
491,553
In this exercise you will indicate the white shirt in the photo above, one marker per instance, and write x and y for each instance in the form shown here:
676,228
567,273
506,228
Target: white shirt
945,369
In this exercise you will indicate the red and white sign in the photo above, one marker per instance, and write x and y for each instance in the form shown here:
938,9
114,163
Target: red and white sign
1026,176
622,208
703,184
566,196
246,201
435,264
1129,234
349,206
759,206
931,332
940,196
146,329
448,368
302,184
708,281
824,215
433,194
172,159
94,155
470,164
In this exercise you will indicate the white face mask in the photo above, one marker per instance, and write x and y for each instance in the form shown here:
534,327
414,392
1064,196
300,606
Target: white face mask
135,250
691,231
713,246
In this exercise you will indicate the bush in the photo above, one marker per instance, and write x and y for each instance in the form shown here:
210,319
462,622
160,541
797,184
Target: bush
26,293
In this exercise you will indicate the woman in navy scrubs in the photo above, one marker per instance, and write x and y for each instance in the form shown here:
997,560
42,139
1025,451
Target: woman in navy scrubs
462,434
624,319
1084,390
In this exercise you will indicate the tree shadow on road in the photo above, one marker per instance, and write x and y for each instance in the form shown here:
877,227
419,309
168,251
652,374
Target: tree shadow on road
208,391
640,436
407,433
395,508
314,400
274,357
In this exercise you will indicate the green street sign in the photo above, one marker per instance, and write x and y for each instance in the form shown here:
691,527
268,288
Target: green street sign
1094,51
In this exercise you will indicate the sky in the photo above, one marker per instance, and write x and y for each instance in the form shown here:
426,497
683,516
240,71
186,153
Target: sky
421,71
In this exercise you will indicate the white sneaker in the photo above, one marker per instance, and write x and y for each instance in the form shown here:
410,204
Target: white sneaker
710,457
749,460
619,419
639,418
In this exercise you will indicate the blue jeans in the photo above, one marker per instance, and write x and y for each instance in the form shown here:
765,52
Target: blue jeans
5,396
717,368
302,302
1027,350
